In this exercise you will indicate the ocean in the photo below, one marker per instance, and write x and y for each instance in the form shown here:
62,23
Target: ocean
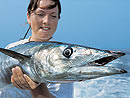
116,86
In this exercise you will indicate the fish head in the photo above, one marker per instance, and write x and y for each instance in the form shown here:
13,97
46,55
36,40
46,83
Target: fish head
71,62
70,55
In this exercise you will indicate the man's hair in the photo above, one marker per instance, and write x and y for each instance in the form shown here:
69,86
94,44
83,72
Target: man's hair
34,3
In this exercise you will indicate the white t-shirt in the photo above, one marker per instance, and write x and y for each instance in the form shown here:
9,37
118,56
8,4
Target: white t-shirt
58,90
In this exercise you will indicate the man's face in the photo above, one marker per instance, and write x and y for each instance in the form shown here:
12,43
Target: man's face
43,21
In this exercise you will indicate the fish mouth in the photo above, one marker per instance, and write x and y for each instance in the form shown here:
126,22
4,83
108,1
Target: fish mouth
103,61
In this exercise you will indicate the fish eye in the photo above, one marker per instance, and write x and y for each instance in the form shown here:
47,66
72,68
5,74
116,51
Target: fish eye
68,52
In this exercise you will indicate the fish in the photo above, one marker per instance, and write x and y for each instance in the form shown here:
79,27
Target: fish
57,62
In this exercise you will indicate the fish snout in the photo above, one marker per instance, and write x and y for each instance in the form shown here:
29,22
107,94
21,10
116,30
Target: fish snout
104,60
123,71
119,53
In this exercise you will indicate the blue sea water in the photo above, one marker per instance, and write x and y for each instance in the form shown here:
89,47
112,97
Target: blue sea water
116,86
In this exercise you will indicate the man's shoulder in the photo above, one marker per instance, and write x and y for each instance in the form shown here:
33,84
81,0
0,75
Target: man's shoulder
16,43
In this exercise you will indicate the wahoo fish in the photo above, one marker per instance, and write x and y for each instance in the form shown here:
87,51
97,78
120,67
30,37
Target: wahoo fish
57,62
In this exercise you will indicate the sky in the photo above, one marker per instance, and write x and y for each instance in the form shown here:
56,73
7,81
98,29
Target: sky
103,24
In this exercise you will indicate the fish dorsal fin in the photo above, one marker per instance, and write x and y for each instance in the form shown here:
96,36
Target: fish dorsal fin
14,54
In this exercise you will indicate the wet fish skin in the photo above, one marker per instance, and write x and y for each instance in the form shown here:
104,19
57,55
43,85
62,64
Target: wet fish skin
56,62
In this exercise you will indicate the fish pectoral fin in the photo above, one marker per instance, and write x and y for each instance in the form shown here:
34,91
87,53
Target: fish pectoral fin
14,54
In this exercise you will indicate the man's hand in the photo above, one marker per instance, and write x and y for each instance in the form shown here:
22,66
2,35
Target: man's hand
22,81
